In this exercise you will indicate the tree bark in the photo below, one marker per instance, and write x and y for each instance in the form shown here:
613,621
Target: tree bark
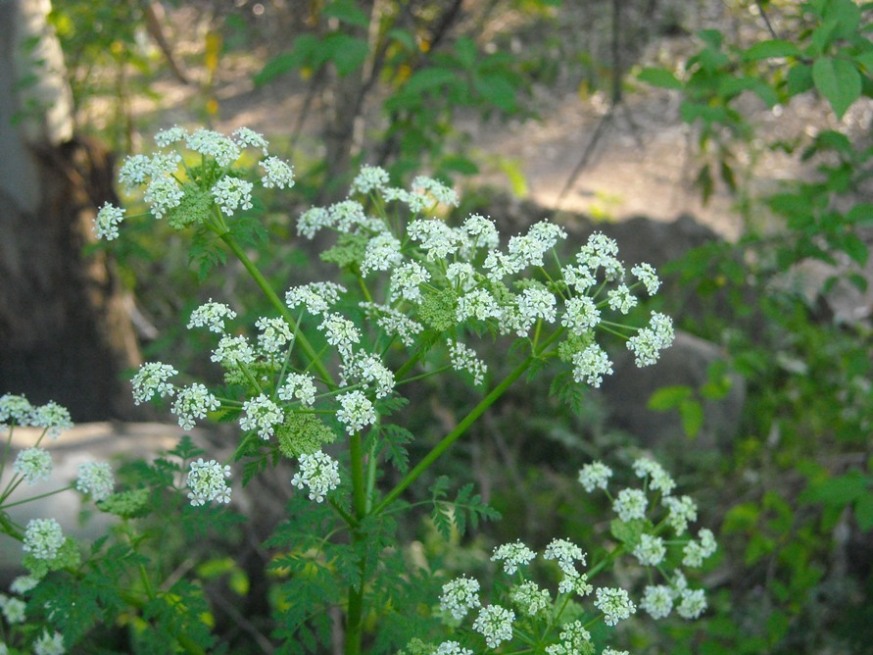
65,334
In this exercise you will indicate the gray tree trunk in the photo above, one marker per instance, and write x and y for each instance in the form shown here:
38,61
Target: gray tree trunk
64,332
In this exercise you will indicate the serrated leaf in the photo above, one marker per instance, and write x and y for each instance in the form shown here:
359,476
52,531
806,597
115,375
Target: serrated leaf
396,438
838,81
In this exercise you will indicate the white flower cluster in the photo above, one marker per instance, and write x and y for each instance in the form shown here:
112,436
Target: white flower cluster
169,185
51,417
651,548
43,538
207,481
95,479
319,473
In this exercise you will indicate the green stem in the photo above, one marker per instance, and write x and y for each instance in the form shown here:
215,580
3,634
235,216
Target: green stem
355,610
261,281
464,425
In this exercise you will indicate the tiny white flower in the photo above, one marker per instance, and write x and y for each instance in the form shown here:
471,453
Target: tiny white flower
436,238
261,414
277,173
530,599
274,334
49,644
478,304
356,412
590,365
340,333
207,481
53,417
406,281
657,601
233,351
213,144
152,379
107,221
382,254
566,554
459,596
168,137
162,195
512,555
495,624
681,511
580,315
574,639
697,551
193,402
248,138
370,179
646,274
692,604
630,504
211,315
300,387
96,479
23,583
319,473
463,358
659,479
43,538
594,476
232,193
650,551
452,648
621,299
316,297
615,605
13,610
34,464
15,410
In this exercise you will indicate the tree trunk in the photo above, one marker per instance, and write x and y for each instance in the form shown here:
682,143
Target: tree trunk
65,334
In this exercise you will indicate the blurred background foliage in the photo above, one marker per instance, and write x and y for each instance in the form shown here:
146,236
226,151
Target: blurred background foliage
402,84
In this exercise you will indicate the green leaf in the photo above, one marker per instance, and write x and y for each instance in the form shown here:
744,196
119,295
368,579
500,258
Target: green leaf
838,81
428,79
864,511
691,413
799,79
465,51
659,77
822,36
860,214
854,247
771,49
496,89
667,398
838,491
299,55
627,532
348,53
347,11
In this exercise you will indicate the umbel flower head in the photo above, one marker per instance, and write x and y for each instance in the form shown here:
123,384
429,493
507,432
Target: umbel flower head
189,194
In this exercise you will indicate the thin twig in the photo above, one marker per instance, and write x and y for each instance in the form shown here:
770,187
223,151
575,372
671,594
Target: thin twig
767,22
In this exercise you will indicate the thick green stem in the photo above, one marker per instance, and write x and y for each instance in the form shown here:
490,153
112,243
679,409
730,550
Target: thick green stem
355,609
261,281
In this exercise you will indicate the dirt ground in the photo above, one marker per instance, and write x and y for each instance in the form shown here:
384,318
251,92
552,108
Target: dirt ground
639,160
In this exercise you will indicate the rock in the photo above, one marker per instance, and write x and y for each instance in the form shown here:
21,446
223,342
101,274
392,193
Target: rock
627,393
